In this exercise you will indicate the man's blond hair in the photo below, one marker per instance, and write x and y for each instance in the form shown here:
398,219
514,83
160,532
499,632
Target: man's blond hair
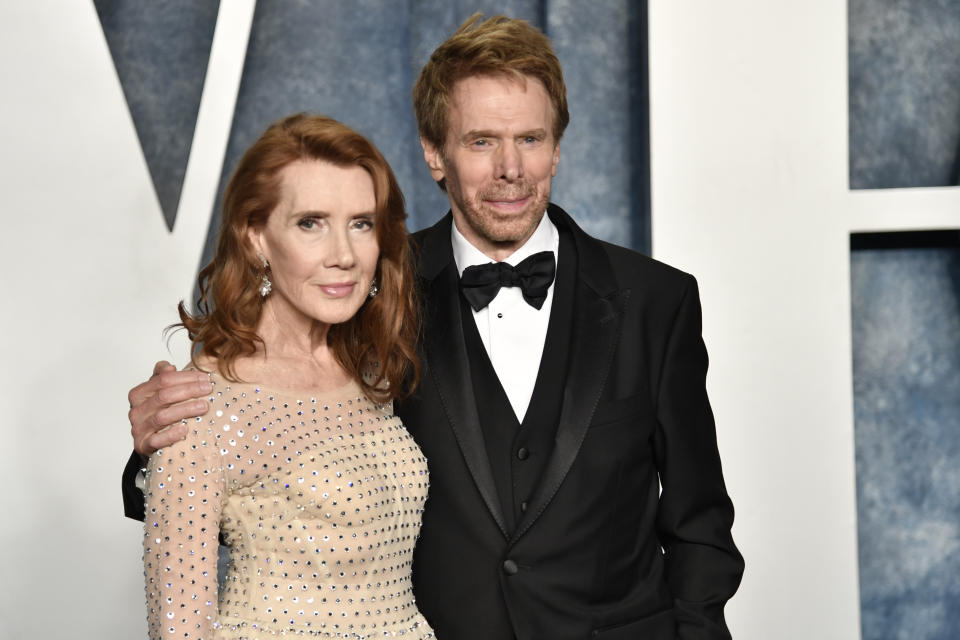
497,46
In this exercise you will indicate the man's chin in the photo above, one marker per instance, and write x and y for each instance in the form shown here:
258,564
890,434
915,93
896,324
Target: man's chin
510,229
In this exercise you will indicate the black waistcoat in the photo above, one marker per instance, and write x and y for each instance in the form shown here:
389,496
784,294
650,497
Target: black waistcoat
518,452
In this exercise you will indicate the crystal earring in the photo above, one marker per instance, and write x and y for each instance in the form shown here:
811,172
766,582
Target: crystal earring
265,285
374,289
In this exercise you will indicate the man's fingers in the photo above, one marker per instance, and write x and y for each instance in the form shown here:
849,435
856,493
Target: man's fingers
163,438
152,415
186,410
143,390
143,415
166,380
181,389
162,366
139,394
170,435
158,405
150,438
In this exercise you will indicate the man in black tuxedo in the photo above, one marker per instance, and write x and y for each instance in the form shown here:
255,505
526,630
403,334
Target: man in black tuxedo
576,488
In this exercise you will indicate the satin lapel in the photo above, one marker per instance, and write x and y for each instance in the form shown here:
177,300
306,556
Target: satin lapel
446,354
598,318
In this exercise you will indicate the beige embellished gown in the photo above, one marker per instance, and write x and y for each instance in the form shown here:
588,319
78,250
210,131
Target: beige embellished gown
317,496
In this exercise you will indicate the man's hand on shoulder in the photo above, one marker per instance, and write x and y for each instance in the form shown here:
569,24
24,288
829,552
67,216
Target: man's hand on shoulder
158,405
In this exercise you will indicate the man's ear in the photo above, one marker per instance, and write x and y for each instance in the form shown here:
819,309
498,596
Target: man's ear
556,160
434,159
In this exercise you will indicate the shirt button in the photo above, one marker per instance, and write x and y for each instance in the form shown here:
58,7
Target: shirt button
499,315
510,567
523,454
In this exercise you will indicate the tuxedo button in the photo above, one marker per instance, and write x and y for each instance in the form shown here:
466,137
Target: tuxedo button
523,506
523,454
510,567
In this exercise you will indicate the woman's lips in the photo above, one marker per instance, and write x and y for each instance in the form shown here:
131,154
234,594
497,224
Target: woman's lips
338,289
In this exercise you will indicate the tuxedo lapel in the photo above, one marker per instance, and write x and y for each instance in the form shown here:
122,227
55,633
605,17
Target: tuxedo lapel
447,361
598,306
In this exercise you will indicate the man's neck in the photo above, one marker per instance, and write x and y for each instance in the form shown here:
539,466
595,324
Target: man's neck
466,253
494,250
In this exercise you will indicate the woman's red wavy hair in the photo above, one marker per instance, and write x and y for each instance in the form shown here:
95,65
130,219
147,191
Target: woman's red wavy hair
382,334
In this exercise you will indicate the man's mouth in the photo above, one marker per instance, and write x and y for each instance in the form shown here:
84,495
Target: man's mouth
507,203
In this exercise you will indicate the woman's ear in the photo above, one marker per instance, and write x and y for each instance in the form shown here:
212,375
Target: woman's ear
255,237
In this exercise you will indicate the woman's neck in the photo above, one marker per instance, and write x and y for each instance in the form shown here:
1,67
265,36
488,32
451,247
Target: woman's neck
294,353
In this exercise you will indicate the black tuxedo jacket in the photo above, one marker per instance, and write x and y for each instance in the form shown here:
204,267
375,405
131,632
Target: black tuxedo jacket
600,551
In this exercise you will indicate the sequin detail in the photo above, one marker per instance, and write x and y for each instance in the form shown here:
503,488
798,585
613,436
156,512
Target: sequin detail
319,501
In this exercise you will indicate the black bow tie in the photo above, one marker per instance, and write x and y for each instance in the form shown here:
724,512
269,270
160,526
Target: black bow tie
534,275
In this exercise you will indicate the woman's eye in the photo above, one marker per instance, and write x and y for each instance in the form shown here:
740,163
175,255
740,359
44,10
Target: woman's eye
363,224
307,223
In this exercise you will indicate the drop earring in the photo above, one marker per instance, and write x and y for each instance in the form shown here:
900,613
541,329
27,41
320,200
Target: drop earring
374,289
265,285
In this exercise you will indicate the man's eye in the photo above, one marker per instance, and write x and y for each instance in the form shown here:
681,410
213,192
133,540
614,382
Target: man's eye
307,223
481,143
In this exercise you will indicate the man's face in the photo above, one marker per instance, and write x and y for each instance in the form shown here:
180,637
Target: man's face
498,160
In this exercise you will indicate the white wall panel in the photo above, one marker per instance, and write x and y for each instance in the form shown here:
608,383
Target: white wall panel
750,194
91,276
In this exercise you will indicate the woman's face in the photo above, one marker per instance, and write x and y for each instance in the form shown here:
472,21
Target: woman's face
320,241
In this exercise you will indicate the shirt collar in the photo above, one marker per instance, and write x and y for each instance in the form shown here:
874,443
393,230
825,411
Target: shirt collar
544,238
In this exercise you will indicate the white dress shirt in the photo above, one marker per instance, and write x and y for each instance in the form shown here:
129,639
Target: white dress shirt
513,331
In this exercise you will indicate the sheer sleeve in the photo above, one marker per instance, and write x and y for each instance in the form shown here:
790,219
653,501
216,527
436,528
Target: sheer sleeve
185,488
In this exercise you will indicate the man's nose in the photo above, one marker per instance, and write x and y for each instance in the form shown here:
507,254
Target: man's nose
509,162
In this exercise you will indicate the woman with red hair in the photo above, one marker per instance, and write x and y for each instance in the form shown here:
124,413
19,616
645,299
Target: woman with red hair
307,326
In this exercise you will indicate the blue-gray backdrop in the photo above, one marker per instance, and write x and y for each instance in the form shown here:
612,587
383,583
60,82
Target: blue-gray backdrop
357,61
904,93
905,132
906,371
